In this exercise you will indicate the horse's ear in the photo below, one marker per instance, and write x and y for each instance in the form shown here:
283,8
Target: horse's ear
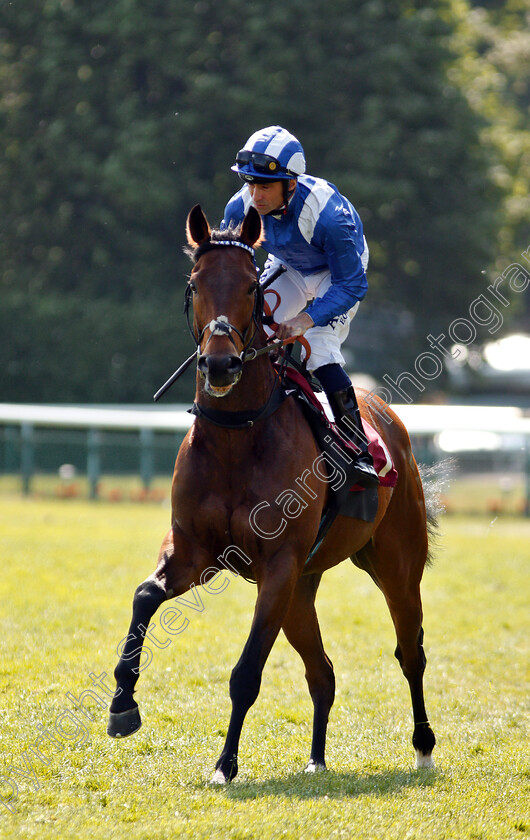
251,230
197,227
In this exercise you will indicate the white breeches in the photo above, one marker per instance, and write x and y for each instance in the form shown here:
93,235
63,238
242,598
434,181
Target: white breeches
295,291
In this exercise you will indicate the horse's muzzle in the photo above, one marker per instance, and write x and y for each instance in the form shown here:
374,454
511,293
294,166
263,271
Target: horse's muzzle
220,371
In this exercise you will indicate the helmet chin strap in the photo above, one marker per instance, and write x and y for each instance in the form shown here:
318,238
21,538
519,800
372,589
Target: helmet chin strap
287,195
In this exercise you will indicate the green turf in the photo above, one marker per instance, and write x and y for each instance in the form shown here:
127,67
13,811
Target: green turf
69,570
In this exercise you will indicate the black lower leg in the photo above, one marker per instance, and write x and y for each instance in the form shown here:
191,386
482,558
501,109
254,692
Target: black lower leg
423,738
245,682
322,695
147,599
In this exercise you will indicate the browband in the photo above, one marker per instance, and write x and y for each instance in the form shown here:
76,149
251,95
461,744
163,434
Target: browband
213,243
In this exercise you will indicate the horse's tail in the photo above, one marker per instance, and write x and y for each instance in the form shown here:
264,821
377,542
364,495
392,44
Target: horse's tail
435,479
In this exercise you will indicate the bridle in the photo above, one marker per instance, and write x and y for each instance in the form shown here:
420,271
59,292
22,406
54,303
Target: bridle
221,325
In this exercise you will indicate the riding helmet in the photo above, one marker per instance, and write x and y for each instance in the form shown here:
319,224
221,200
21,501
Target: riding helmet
271,154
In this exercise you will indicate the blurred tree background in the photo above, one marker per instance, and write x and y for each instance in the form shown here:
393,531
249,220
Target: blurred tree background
116,118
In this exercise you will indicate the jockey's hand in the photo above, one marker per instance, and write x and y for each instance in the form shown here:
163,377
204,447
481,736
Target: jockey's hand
295,326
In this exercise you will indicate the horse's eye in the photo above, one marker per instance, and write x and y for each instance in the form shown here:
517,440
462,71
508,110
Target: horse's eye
192,286
253,288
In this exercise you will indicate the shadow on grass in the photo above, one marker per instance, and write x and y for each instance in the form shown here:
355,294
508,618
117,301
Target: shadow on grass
332,785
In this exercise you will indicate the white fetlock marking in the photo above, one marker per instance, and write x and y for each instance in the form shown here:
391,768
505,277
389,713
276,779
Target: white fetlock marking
218,778
423,761
314,768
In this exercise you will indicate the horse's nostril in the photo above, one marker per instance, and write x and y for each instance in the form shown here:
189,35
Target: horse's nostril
220,370
234,365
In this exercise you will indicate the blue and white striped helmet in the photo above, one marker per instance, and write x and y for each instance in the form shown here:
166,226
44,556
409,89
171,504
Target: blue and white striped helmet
272,154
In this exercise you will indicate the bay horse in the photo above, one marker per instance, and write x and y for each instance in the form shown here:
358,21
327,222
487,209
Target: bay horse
242,455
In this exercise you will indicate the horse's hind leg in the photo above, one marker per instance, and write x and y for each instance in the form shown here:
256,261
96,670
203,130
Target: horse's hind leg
411,656
303,632
399,579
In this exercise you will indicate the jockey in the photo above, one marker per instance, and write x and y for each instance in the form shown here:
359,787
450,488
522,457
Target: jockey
316,234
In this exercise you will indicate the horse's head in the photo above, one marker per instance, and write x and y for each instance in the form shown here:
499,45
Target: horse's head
224,289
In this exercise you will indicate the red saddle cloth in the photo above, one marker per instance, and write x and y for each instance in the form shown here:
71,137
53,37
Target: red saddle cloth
377,448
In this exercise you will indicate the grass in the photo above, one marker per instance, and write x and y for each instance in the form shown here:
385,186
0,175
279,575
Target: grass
492,493
69,572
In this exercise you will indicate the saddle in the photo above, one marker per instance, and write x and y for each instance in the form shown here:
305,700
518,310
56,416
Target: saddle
339,454
350,499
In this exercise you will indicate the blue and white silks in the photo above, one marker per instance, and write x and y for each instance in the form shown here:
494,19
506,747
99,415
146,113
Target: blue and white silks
321,231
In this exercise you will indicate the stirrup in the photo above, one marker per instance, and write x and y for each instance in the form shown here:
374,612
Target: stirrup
344,404
366,475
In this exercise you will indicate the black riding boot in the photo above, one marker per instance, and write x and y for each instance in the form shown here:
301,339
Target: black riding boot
344,405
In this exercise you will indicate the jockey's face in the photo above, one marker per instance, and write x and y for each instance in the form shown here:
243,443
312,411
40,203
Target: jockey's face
268,197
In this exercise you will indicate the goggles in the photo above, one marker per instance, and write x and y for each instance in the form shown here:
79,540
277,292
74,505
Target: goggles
265,164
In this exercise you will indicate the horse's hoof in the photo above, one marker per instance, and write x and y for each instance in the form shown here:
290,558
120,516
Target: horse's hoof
424,762
122,724
218,778
312,767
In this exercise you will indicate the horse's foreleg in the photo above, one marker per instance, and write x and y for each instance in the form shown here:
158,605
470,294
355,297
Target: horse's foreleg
124,718
274,594
303,632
